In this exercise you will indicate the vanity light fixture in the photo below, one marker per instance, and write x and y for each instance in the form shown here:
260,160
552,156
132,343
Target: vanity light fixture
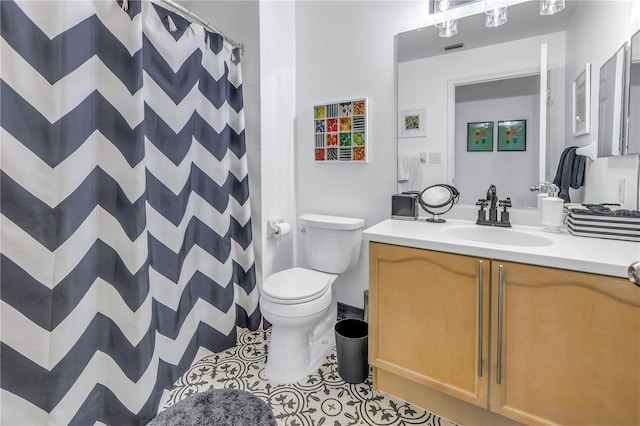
549,7
496,12
446,27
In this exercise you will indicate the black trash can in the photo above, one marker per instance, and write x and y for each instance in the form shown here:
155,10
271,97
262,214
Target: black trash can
351,347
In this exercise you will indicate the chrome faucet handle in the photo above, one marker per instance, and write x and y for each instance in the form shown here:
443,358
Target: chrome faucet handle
504,215
505,203
482,214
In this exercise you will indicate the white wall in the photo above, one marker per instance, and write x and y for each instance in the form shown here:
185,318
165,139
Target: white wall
427,82
513,172
592,38
345,50
278,87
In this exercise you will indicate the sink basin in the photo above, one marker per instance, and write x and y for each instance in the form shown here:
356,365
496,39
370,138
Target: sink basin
502,236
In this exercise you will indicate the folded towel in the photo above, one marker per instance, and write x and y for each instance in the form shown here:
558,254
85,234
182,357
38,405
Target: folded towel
403,169
413,174
570,172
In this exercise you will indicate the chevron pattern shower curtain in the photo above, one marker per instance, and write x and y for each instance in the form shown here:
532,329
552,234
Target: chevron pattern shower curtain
126,247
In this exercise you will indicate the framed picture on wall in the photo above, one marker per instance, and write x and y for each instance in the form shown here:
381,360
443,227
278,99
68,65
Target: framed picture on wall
480,136
340,131
512,135
412,123
582,102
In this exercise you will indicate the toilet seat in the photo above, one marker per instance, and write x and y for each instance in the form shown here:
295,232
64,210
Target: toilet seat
296,285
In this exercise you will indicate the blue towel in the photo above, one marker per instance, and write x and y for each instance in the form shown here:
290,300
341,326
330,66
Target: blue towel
570,172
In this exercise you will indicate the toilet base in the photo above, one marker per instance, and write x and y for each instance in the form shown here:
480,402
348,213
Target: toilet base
291,357
296,350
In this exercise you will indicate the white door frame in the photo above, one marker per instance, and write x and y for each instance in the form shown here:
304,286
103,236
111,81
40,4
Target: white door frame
451,111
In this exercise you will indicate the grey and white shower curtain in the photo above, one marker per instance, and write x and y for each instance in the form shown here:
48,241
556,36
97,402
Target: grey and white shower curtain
126,246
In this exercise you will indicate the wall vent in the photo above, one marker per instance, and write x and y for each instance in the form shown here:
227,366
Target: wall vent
452,46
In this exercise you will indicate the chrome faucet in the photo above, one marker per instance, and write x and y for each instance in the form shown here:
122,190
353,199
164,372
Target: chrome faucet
492,198
493,202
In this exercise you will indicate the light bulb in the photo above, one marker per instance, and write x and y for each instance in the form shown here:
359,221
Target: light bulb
496,13
549,7
446,27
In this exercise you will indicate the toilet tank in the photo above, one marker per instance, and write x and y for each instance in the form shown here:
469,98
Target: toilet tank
332,243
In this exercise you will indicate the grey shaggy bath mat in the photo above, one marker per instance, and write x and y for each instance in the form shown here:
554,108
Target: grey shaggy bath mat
220,407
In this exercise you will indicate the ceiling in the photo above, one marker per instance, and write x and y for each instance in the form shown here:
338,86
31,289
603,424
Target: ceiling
524,20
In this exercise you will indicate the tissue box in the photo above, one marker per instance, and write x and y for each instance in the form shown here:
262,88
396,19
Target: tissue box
404,206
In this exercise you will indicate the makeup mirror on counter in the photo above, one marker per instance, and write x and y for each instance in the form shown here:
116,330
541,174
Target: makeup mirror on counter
611,107
633,123
437,200
479,65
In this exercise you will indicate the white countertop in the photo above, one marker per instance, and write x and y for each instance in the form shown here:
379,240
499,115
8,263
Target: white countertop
594,255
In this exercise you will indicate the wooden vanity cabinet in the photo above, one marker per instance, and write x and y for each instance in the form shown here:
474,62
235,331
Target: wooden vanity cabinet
429,316
570,346
563,346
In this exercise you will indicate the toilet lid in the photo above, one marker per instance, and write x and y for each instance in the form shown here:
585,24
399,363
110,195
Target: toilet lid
296,284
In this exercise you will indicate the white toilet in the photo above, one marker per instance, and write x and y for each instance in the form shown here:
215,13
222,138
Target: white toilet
299,303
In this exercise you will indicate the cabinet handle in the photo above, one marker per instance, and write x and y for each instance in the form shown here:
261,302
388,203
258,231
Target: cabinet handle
634,273
480,314
499,349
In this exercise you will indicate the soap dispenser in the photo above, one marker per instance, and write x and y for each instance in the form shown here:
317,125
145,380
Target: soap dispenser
543,192
552,210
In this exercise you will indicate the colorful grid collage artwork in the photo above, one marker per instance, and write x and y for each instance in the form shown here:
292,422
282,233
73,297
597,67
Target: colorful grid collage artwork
341,131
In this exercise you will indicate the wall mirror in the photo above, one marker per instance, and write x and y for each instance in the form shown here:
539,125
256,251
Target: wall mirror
432,72
633,132
611,106
582,102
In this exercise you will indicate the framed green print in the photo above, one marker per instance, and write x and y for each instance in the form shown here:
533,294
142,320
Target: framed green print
480,136
512,135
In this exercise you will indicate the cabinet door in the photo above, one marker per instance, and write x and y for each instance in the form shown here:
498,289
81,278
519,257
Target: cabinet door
429,319
567,345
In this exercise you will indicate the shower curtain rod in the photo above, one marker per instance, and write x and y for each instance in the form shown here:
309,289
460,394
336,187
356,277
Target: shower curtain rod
204,23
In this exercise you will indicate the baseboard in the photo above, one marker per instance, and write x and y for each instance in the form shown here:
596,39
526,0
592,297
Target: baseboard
348,311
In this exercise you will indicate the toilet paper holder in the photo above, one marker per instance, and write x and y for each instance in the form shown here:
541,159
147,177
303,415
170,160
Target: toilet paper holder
277,227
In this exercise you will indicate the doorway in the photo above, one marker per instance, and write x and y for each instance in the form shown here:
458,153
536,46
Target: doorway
512,171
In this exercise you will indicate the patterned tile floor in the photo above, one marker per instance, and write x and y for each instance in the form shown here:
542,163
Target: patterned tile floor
322,398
